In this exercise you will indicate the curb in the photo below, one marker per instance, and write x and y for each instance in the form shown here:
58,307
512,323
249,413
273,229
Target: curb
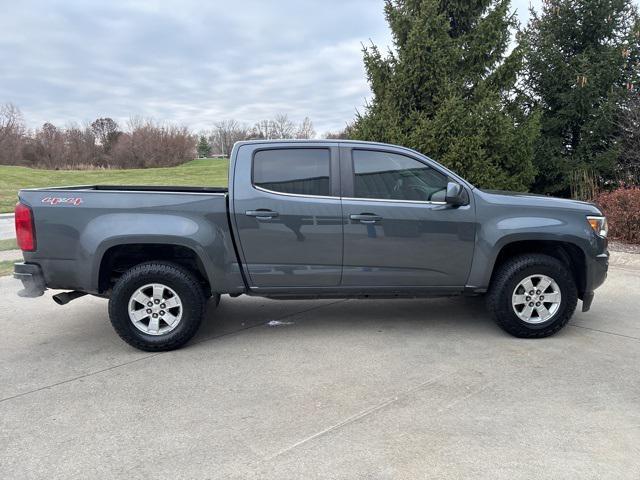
6,215
626,260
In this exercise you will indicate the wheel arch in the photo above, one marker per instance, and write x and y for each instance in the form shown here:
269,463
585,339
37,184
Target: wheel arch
119,257
569,253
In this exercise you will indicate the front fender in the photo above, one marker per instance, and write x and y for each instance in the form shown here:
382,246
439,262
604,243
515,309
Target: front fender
493,236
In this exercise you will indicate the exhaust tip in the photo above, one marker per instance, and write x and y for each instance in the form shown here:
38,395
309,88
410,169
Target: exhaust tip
66,297
60,299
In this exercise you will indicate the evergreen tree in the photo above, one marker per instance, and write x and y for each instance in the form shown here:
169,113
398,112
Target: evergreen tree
582,62
449,90
204,148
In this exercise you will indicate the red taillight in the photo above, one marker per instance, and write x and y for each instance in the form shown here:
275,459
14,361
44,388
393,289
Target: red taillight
25,232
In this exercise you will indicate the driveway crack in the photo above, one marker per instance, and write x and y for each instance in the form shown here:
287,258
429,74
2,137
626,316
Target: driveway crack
357,416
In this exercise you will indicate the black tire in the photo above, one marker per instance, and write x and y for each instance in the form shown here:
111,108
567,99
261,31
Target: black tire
510,274
181,281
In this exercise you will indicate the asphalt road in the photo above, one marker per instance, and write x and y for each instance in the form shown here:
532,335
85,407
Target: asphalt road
344,389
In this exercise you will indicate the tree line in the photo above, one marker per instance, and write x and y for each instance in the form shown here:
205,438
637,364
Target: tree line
225,133
141,143
551,107
100,144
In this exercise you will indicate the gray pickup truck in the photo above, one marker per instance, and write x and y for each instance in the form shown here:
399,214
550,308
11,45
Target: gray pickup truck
310,219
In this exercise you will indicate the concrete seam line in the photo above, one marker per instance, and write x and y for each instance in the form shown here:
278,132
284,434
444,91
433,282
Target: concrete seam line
353,418
465,397
605,332
62,382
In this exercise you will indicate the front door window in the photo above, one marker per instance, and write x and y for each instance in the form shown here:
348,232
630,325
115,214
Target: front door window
389,176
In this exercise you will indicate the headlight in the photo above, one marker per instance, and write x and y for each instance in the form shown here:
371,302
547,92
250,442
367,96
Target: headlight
599,225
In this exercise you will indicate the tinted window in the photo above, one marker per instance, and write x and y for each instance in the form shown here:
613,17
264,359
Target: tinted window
396,177
304,171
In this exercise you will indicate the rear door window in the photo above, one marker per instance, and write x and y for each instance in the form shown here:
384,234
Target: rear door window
300,171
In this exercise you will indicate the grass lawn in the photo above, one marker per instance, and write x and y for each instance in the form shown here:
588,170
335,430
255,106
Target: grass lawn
8,245
6,268
205,172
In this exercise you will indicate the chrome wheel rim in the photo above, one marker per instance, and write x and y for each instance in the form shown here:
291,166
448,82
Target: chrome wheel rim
155,309
536,299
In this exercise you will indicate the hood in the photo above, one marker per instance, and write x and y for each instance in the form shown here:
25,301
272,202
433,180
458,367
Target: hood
519,199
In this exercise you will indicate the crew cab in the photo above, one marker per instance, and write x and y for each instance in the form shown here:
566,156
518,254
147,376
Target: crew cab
310,219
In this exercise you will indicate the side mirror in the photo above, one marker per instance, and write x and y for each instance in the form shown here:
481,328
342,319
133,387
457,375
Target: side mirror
456,195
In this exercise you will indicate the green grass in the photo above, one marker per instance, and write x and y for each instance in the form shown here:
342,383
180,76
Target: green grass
206,172
8,245
6,267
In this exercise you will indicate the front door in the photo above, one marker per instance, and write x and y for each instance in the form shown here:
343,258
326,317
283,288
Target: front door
288,214
399,231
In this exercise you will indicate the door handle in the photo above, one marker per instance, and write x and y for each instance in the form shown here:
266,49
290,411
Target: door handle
367,218
261,214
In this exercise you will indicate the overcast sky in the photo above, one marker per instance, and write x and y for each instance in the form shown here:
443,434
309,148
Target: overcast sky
189,62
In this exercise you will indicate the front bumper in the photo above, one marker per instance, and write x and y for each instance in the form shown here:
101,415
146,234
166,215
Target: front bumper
597,269
31,277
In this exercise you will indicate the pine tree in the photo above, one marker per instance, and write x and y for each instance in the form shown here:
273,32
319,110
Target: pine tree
582,62
449,90
204,148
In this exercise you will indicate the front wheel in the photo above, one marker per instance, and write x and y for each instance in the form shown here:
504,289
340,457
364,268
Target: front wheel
157,306
532,296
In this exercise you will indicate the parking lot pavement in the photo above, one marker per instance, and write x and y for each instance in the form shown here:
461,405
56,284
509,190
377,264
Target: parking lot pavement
371,389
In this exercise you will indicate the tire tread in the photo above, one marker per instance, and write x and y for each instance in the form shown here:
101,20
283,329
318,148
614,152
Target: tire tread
163,270
514,266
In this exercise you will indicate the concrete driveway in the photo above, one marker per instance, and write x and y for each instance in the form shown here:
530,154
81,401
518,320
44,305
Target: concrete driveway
343,389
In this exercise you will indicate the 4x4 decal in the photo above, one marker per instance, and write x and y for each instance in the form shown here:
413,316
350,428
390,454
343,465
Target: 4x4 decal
75,201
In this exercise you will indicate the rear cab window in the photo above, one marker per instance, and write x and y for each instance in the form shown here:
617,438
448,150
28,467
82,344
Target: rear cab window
298,171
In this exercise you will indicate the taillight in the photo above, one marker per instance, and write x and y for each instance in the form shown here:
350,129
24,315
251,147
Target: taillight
25,231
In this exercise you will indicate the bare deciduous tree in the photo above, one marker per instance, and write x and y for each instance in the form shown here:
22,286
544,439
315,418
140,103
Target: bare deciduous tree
12,134
345,133
51,142
306,130
263,130
225,134
149,144
629,158
283,127
107,132
81,150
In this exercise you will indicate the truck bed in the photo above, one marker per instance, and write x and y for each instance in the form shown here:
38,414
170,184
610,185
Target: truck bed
135,188
78,226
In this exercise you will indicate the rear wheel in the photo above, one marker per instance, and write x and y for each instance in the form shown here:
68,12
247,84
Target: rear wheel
157,306
532,295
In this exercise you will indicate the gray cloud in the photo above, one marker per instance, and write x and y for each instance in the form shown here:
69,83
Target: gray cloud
187,61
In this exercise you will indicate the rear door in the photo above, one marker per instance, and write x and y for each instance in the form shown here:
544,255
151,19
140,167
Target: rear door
399,232
288,214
